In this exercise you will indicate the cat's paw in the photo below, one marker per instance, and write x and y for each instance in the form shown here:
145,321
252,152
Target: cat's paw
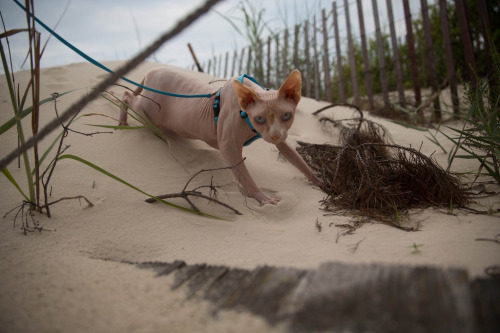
316,181
270,200
264,199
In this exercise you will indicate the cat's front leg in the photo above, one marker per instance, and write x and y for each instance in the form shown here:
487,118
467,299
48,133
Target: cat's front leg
233,156
293,157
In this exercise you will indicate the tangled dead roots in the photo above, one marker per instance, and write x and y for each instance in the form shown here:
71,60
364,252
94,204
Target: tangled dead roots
370,177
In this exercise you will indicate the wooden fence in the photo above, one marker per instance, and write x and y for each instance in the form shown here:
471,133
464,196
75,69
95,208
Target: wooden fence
330,69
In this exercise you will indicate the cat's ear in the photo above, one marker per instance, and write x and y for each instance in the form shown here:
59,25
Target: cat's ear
291,88
246,95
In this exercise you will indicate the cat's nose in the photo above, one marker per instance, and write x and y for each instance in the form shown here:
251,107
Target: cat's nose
275,137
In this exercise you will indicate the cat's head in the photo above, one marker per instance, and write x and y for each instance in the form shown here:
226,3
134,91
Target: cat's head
271,112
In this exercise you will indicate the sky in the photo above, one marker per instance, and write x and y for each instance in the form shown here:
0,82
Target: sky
117,30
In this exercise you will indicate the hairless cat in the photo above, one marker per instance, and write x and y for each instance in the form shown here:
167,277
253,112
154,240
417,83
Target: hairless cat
241,112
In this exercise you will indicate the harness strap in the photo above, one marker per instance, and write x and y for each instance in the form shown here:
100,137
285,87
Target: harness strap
243,114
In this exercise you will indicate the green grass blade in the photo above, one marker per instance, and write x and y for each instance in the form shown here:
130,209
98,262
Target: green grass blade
8,175
97,168
47,151
11,122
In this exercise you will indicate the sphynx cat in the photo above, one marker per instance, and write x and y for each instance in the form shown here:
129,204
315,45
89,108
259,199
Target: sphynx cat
271,112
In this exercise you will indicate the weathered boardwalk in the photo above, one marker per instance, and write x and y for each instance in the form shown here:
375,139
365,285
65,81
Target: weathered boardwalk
347,298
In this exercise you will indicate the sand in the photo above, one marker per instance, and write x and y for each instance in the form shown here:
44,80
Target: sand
73,278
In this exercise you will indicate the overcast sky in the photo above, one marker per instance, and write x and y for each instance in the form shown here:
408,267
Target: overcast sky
117,30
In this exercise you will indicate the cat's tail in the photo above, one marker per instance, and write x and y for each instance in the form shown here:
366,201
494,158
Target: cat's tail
138,90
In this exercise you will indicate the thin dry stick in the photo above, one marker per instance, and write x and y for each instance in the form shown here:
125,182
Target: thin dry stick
186,193
76,107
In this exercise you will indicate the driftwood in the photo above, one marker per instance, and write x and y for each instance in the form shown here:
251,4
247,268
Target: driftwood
346,298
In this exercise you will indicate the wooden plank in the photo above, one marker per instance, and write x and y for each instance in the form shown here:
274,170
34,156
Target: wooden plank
486,302
340,72
260,63
240,67
381,58
278,76
317,87
488,34
296,47
307,73
285,54
249,61
466,42
352,61
366,60
268,67
410,40
340,297
326,61
226,62
431,65
233,66
450,62
395,51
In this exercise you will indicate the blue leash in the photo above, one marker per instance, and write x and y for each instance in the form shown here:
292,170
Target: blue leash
98,64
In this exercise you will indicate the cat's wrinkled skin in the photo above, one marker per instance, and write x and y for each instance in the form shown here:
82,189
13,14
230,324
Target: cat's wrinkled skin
270,112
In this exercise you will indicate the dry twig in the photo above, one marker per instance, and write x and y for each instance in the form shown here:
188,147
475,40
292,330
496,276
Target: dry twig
185,193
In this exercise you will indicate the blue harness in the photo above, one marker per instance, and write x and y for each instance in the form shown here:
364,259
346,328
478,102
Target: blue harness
243,114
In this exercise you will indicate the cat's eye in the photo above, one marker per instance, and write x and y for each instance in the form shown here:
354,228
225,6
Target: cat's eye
260,120
286,116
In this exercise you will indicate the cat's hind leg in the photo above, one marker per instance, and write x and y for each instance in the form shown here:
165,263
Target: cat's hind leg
128,101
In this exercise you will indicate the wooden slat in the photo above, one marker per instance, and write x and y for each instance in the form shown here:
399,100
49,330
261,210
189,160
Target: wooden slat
340,297
366,60
381,58
326,61
307,73
352,61
395,52
340,74
450,62
431,65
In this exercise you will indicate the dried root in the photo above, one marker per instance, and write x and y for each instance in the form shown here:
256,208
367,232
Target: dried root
367,176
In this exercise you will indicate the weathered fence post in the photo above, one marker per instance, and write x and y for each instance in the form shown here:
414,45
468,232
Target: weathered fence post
249,60
395,51
326,61
308,60
366,61
340,73
352,61
487,36
268,72
381,59
285,54
240,68
316,65
450,63
233,67
278,77
260,62
225,64
413,55
296,47
430,57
